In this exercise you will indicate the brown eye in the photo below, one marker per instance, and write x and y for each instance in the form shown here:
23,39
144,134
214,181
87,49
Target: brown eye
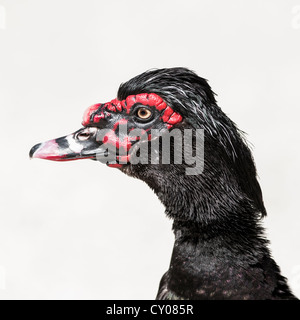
144,113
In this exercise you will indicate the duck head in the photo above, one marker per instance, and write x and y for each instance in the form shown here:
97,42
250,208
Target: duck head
161,101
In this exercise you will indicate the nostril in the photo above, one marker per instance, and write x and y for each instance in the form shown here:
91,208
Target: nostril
83,136
86,133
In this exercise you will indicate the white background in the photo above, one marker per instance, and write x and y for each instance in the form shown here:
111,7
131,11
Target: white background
81,230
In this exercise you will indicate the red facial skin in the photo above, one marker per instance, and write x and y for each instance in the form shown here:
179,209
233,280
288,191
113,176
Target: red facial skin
96,112
169,116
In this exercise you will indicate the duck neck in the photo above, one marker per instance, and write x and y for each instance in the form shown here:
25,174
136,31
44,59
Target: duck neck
218,262
220,251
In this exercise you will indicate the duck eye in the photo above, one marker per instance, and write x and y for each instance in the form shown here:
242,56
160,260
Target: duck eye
144,113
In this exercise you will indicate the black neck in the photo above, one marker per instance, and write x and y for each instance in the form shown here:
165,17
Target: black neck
220,251
221,263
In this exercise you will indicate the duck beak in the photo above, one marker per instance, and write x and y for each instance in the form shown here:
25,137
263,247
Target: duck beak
81,144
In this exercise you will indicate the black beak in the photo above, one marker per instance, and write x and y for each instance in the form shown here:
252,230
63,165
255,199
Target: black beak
81,144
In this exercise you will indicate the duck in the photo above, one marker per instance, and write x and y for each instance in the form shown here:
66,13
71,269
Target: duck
221,251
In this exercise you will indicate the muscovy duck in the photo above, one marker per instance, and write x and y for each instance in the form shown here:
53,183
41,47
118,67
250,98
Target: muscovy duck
220,250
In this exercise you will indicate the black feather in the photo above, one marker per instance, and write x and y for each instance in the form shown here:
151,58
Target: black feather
193,98
220,249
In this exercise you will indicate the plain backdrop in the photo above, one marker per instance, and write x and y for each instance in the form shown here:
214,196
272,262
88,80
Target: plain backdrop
81,230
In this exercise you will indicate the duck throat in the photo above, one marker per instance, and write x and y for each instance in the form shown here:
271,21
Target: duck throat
221,263
220,251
